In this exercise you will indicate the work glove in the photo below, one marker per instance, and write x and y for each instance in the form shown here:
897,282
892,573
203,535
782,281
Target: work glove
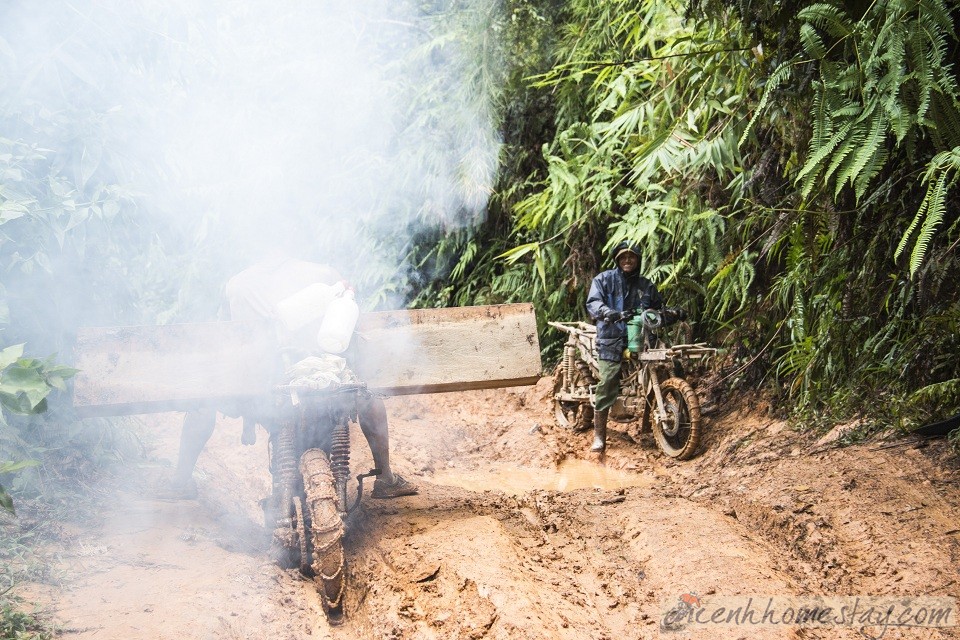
612,316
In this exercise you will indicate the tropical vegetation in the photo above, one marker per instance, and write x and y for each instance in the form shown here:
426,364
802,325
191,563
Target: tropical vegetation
789,170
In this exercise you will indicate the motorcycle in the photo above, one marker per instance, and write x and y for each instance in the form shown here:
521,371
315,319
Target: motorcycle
653,390
310,501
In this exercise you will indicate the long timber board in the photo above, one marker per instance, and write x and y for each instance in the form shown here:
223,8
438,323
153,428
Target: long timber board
130,370
453,349
176,367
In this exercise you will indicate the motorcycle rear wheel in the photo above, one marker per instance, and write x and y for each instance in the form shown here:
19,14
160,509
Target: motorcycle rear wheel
576,415
679,435
328,562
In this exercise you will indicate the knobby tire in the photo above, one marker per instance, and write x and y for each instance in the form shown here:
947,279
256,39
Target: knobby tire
683,409
326,532
577,416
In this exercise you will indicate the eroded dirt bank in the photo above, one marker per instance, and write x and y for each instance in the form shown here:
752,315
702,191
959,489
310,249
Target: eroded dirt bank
493,548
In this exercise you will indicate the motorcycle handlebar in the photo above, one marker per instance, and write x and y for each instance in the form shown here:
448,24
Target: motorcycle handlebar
655,318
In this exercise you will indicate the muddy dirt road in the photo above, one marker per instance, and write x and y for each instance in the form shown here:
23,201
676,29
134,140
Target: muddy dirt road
517,534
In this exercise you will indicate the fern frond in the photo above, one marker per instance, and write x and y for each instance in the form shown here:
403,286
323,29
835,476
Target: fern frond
944,162
780,75
921,212
811,41
923,72
848,145
828,17
870,171
936,209
934,15
811,169
867,153
946,113
942,173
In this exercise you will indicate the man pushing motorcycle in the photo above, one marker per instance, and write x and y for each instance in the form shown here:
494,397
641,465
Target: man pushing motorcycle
613,292
253,295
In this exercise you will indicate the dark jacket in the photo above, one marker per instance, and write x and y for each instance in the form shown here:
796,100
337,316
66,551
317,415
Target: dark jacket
614,290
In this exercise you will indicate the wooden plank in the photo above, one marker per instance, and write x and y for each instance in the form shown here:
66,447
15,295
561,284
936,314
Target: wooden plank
178,367
127,370
453,349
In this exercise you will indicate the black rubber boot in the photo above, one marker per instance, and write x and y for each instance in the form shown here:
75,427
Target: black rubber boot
600,431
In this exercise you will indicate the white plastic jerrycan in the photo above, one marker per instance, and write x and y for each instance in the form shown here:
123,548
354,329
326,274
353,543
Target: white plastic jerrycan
307,305
337,326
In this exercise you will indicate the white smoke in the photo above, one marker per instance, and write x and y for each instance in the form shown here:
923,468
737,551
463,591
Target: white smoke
149,149
338,128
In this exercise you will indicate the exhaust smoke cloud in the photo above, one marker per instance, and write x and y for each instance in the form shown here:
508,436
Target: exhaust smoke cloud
149,149
156,147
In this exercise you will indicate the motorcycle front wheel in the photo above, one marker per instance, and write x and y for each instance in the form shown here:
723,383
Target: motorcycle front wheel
679,435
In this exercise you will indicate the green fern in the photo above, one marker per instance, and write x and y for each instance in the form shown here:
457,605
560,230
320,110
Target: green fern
780,76
828,17
935,210
880,73
812,42
942,173
870,152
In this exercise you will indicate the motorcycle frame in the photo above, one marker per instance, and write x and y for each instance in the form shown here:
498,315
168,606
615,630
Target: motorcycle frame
639,377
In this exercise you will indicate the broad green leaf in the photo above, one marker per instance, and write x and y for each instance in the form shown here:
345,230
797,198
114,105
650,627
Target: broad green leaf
10,355
10,467
514,254
541,269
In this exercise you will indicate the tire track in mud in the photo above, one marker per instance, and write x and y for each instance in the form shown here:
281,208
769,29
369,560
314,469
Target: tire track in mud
854,526
752,515
859,520
597,564
465,565
600,564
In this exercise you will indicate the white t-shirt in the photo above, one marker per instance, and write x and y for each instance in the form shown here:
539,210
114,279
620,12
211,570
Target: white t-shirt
253,294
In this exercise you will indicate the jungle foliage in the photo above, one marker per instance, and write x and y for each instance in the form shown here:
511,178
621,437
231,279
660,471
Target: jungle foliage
789,169
790,175
18,624
25,384
72,251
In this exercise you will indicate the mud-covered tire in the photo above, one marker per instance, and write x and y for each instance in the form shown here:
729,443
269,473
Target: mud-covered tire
328,562
571,415
679,437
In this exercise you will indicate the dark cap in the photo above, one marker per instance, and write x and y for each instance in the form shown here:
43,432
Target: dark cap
624,247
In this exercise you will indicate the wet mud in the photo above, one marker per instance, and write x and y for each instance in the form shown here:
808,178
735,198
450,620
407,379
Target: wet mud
519,533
